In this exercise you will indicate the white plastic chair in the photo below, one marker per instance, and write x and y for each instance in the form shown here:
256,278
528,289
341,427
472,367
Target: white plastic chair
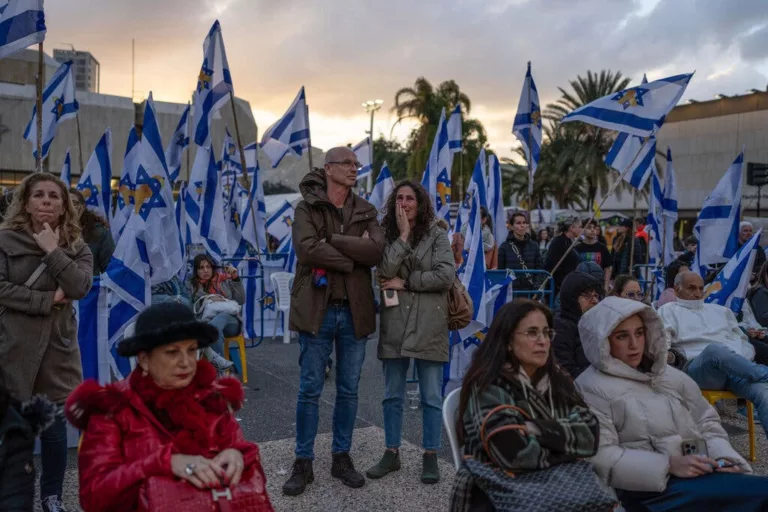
450,406
281,283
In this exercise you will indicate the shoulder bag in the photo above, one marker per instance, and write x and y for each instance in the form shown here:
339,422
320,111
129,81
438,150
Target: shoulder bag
460,306
208,306
29,282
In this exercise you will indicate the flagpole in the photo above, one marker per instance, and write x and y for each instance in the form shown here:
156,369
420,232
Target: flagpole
599,207
530,175
243,164
40,78
634,228
309,135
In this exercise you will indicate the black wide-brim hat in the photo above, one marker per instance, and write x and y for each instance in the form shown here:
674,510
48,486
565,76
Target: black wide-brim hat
163,324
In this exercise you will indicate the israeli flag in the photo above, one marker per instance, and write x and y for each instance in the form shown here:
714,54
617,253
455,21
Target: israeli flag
437,176
639,110
730,287
527,124
154,218
472,271
669,210
204,204
496,200
181,222
66,170
214,84
632,159
92,320
59,104
22,24
280,224
127,186
654,226
95,180
290,134
254,230
363,151
454,130
717,226
381,190
177,145
233,218
477,187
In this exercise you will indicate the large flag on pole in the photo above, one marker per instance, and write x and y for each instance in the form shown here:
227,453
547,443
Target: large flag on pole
178,143
214,84
381,190
654,228
290,133
437,177
669,210
639,110
204,204
127,186
472,271
717,226
95,180
496,200
66,170
22,24
280,223
363,151
255,231
454,130
730,287
527,124
59,104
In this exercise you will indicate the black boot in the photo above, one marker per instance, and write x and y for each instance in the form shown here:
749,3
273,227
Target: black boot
300,476
344,470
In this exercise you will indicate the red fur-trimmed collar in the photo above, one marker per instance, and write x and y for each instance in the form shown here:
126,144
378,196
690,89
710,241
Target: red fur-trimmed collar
214,396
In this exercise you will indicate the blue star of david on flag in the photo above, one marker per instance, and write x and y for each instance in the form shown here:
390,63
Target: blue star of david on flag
443,189
630,97
476,339
269,301
58,108
90,192
288,220
204,79
125,192
198,190
152,189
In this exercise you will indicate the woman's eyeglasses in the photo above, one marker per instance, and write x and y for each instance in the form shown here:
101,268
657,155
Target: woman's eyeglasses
592,296
635,295
534,334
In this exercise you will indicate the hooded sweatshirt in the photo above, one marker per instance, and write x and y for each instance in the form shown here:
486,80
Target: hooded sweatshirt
694,324
644,415
566,344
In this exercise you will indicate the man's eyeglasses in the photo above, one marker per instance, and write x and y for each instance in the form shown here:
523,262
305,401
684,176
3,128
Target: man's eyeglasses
349,163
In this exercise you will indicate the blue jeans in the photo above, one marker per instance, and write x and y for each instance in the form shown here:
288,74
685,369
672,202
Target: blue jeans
315,350
719,368
430,375
53,456
227,325
715,491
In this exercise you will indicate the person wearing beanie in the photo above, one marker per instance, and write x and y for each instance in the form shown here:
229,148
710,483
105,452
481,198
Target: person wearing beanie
170,420
580,293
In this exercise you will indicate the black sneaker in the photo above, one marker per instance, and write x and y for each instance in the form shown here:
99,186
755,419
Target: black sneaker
344,470
53,504
301,475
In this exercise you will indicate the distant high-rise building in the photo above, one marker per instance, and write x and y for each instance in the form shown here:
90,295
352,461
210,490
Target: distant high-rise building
85,67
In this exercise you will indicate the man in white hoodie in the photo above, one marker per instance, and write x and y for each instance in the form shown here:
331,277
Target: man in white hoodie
718,352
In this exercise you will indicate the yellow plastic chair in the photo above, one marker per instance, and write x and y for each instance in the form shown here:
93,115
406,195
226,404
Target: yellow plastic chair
240,340
714,396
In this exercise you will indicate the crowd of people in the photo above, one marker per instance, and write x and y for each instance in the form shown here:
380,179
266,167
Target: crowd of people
604,391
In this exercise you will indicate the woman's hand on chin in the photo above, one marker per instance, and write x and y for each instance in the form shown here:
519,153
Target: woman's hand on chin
47,239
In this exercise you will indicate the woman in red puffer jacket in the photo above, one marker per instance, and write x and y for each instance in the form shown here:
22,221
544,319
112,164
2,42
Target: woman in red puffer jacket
170,420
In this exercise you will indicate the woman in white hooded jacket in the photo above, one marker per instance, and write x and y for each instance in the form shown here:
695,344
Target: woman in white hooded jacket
648,411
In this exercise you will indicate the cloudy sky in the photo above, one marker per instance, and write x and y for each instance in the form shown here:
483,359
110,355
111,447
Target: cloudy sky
349,51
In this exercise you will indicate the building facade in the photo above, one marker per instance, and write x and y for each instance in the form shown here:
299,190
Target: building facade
85,67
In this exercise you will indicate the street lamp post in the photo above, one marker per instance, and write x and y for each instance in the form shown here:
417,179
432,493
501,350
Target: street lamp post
371,106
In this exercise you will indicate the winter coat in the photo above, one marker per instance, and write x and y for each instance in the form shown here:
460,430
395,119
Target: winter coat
758,299
557,249
323,240
124,443
531,256
497,421
621,258
38,341
418,326
567,344
230,289
19,427
102,245
644,416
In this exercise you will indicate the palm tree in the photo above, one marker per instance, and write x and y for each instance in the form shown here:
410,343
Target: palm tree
592,142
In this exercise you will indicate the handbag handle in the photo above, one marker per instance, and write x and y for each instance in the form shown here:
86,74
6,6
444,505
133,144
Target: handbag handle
202,300
30,281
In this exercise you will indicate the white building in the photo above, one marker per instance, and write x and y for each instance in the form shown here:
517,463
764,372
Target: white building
86,69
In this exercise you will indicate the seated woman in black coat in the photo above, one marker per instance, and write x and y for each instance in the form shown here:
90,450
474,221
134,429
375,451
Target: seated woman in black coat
579,293
20,424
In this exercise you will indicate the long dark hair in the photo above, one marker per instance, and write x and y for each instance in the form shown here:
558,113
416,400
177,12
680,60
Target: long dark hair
196,283
424,216
620,283
88,219
493,352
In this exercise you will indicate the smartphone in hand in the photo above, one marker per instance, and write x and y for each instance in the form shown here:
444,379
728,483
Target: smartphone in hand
390,298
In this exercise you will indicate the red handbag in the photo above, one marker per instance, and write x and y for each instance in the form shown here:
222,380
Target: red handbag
163,494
